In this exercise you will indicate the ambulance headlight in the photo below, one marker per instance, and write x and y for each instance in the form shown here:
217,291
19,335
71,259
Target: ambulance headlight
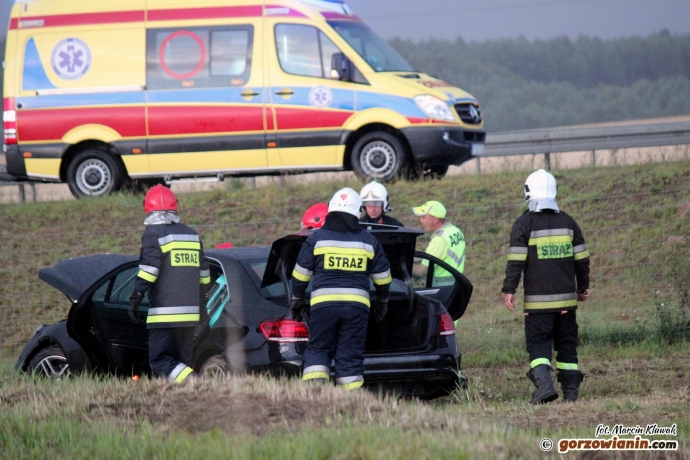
434,107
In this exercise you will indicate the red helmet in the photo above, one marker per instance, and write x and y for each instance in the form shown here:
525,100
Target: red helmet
315,216
160,198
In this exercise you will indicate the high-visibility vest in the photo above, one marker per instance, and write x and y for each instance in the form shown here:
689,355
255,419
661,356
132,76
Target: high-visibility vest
454,253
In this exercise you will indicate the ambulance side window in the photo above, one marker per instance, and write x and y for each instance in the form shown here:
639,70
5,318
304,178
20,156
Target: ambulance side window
304,50
198,57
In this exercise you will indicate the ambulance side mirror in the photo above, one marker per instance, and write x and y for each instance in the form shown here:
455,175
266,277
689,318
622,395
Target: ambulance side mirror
341,67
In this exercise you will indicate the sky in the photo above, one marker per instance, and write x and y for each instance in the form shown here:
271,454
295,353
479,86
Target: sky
491,19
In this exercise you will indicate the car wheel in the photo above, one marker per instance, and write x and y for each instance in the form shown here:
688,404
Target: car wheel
215,367
94,173
50,362
379,156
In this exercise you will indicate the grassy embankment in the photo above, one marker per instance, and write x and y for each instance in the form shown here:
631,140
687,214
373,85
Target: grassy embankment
633,331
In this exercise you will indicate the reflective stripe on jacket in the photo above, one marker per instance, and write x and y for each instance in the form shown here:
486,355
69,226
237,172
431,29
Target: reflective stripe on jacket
550,249
341,265
172,266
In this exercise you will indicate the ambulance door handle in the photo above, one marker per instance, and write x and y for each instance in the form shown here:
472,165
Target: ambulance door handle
285,92
248,93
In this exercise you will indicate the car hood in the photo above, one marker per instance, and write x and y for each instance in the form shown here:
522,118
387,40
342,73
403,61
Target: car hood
398,244
421,83
73,277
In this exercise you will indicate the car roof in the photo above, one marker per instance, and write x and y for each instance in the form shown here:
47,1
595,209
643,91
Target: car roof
239,254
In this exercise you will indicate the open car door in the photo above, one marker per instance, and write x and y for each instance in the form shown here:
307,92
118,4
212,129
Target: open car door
444,284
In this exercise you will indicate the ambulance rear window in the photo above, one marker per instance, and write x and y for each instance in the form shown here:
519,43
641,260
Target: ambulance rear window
198,57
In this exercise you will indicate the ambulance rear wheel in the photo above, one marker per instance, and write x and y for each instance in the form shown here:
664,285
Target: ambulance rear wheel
94,172
379,156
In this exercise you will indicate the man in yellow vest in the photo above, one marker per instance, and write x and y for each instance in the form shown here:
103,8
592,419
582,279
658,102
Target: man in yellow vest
447,241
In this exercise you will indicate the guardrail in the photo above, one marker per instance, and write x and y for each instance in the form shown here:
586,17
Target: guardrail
6,179
651,133
609,136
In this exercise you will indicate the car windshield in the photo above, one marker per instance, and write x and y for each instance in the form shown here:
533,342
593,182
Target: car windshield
378,54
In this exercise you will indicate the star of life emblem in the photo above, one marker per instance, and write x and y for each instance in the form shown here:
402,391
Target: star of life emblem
320,96
71,59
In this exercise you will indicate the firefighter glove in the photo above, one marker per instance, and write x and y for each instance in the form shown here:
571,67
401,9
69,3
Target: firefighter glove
134,302
380,309
298,308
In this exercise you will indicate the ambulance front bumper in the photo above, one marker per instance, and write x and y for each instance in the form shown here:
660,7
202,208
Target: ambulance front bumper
444,146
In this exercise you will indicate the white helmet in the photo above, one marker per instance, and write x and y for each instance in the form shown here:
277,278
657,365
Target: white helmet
540,184
346,200
375,192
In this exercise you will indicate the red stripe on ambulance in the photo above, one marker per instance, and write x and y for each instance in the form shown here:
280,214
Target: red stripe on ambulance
169,14
293,118
205,13
52,125
59,20
199,119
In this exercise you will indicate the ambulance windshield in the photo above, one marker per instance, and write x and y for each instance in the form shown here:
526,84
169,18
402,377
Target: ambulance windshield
378,54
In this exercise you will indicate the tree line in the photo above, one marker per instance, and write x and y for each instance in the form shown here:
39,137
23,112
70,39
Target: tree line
522,84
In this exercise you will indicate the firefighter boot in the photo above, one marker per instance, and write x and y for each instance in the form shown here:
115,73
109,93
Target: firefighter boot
570,384
541,377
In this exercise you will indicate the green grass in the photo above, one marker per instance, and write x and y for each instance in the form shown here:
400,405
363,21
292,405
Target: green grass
633,330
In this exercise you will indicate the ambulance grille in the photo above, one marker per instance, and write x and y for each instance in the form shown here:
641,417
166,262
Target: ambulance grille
469,113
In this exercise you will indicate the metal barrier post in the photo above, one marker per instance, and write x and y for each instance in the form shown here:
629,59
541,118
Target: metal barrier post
593,157
547,161
22,194
479,166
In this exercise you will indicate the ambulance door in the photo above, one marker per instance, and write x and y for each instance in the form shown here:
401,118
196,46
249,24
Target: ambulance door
205,94
309,108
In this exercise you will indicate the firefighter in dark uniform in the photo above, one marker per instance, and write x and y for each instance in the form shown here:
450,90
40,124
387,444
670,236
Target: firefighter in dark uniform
375,205
341,258
547,245
173,269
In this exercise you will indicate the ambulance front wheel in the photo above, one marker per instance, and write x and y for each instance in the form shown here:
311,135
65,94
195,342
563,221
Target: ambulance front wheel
94,172
379,156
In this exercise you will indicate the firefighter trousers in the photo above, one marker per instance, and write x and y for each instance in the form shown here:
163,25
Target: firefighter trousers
547,331
171,351
337,332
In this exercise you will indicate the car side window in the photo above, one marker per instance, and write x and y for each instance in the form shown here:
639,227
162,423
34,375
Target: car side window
121,289
304,50
198,57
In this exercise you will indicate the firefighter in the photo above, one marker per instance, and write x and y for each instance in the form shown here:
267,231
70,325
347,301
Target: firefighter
314,216
375,205
547,245
172,269
447,241
341,258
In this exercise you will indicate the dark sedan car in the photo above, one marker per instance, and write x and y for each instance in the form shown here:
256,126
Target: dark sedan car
412,352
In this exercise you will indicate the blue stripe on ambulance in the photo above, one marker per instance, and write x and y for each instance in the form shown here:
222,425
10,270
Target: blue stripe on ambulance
403,105
343,99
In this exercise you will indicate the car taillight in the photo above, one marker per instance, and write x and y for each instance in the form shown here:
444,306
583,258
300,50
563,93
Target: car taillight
9,118
447,326
284,330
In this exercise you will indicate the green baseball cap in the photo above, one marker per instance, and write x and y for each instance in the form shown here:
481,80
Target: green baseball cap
433,208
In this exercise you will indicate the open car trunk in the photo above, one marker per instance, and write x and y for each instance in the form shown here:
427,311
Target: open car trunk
403,332
412,318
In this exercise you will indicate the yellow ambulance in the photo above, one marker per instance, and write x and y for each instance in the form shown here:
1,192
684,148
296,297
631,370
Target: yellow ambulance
102,93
